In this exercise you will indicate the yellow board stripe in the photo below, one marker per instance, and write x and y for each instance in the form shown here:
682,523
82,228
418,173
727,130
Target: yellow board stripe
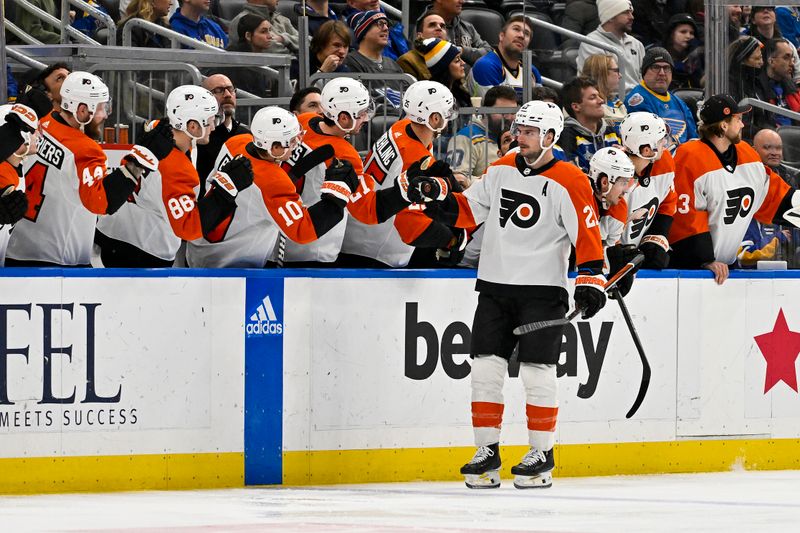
36,475
442,464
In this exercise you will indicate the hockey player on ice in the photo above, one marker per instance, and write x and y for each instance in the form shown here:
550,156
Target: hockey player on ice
534,208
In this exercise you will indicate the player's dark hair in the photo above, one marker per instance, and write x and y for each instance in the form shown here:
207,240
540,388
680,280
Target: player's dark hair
506,92
540,92
709,131
572,92
300,96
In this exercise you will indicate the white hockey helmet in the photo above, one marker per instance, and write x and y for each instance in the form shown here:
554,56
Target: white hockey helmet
27,115
611,162
543,115
275,125
346,95
190,102
642,129
424,98
83,88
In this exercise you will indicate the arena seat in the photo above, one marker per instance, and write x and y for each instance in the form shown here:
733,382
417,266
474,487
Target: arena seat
230,8
690,97
487,22
790,135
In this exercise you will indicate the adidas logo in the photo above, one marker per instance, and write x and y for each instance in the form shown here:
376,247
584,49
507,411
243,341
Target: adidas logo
264,321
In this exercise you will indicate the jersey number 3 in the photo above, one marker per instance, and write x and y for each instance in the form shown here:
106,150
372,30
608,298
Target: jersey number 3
34,190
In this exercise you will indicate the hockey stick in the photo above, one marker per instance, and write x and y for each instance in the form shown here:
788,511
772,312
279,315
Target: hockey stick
315,157
611,283
639,348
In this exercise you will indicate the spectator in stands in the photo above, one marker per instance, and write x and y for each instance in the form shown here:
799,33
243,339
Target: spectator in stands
504,142
318,13
329,48
306,100
254,37
225,93
789,23
33,25
49,80
653,95
412,62
545,94
585,129
154,11
191,20
285,37
398,45
604,71
85,23
683,47
503,65
764,24
444,63
474,146
747,79
769,146
616,21
652,27
12,90
780,66
371,31
460,32
580,16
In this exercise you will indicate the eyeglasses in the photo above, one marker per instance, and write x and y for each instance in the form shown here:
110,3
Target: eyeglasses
219,91
613,70
382,24
660,68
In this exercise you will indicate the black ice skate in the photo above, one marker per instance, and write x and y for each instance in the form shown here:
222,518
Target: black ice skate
483,471
535,470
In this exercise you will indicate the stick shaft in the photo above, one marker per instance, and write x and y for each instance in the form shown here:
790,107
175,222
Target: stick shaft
645,383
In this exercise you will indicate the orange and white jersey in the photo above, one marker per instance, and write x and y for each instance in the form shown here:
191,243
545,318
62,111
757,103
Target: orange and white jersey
271,205
395,151
66,192
9,177
722,201
612,222
644,203
161,211
532,218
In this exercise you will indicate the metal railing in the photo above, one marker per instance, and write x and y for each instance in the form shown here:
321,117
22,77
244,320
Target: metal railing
772,108
93,12
66,29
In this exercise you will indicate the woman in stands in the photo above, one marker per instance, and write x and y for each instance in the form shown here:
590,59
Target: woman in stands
446,66
682,45
154,11
747,79
255,37
603,69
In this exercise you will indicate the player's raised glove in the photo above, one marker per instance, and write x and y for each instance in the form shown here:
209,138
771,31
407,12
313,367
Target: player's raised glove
452,255
154,145
655,248
620,255
340,182
20,119
234,176
13,205
590,295
37,100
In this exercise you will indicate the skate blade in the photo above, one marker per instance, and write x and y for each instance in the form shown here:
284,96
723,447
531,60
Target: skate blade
542,481
487,480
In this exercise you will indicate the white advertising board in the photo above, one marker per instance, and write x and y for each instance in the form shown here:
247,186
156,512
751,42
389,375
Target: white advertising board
383,363
105,365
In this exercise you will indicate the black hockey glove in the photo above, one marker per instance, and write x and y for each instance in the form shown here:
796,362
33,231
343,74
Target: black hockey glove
619,256
37,100
454,253
235,176
590,295
153,146
12,206
20,118
340,182
655,248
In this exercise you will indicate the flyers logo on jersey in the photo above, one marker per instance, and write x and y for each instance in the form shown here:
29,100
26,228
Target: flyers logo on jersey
522,210
738,204
649,213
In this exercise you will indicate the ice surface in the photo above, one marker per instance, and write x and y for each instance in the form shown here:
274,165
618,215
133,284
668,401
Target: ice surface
731,501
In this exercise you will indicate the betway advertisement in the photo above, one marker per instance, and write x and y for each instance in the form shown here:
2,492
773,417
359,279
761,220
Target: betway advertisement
106,365
379,363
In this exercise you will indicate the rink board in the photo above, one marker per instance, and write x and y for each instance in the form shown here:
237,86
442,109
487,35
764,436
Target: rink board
309,377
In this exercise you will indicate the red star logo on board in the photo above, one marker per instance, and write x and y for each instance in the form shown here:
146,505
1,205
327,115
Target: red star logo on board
780,349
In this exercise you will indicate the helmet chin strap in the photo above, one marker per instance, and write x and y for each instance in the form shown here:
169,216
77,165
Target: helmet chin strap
193,149
544,151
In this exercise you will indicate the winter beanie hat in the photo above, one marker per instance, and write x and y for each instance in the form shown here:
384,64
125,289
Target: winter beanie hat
438,55
361,22
608,9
